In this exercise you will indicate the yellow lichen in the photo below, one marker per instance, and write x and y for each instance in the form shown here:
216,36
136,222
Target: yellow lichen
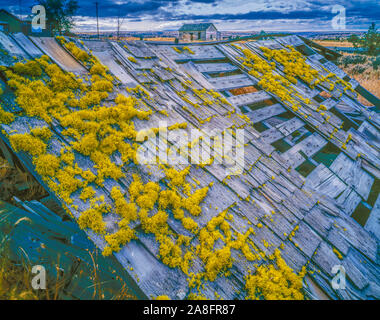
275,281
27,143
47,165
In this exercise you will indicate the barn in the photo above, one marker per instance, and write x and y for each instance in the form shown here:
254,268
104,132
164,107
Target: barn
200,31
12,24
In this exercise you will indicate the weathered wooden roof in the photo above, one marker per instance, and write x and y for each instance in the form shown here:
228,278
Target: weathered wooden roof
318,181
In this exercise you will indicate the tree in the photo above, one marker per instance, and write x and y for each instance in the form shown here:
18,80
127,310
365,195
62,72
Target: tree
370,41
355,40
120,21
59,14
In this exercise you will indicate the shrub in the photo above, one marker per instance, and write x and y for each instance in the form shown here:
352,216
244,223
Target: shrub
376,63
352,59
358,69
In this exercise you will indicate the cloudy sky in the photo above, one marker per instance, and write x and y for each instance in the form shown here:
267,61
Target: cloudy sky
234,15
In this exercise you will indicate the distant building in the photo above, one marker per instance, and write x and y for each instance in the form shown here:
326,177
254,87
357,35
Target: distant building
200,31
4,26
11,24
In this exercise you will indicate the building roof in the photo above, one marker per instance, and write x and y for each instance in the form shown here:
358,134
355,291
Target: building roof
10,14
308,214
196,27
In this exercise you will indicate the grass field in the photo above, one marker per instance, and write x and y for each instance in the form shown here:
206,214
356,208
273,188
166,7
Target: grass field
334,43
365,70
145,39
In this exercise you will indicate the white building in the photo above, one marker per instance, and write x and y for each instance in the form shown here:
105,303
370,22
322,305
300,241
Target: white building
199,32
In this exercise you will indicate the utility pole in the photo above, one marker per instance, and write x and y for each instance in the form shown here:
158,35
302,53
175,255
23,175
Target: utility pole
97,17
119,24
118,27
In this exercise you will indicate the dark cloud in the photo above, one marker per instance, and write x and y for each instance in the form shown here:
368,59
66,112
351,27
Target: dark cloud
203,1
107,8
132,9
317,10
167,10
263,15
366,11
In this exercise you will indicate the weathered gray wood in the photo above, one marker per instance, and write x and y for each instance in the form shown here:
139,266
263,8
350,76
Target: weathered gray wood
348,200
293,256
231,82
139,49
271,135
306,239
325,258
358,237
373,222
215,67
265,113
280,199
288,127
10,46
352,174
28,46
59,55
292,40
293,159
324,181
309,146
318,221
248,98
371,134
108,60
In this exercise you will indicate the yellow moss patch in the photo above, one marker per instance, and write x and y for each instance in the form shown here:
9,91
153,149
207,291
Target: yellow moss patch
27,143
42,133
93,218
6,117
162,298
87,193
275,282
47,165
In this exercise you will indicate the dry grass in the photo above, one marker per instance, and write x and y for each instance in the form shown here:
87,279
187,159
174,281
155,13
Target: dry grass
124,38
362,72
333,43
370,80
160,39
171,39
16,182
15,281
